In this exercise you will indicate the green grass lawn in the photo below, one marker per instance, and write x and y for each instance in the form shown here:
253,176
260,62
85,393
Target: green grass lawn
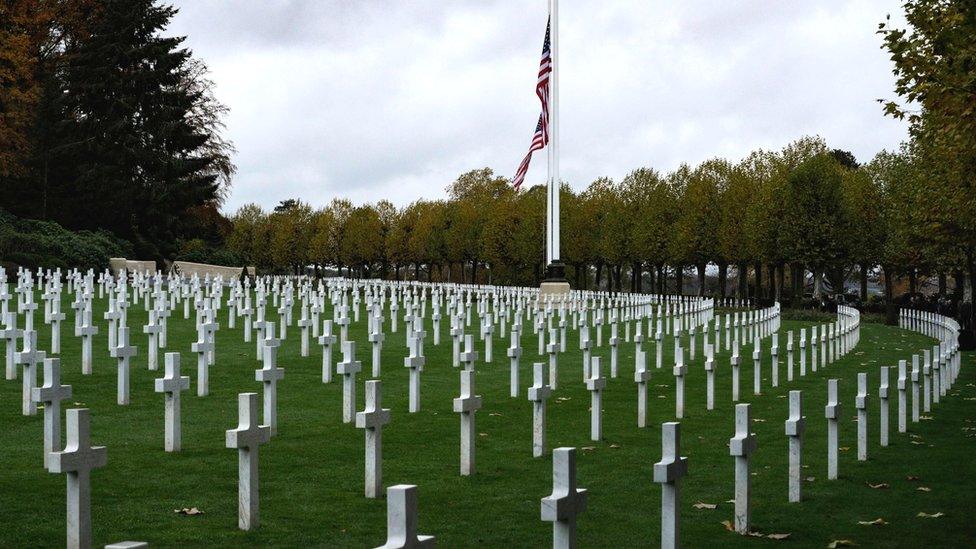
312,471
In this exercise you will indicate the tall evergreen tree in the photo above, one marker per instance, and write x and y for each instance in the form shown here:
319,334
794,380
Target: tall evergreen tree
137,154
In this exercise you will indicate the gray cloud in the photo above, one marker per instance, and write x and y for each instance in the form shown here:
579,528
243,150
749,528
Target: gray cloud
377,99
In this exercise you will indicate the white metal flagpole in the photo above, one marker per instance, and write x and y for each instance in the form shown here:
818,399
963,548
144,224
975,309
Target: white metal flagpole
552,193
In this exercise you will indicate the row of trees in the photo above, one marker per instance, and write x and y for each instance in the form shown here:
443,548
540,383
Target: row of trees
802,209
107,124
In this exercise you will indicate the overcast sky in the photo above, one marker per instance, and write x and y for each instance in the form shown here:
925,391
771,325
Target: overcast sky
394,99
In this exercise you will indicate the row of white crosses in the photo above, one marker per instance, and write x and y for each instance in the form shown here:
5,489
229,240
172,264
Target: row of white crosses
465,405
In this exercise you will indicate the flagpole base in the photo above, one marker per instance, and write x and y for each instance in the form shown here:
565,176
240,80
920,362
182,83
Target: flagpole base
555,283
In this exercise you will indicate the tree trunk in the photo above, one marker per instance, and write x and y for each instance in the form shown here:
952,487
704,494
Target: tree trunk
942,284
891,311
701,280
759,279
864,283
743,292
723,279
959,285
474,271
912,282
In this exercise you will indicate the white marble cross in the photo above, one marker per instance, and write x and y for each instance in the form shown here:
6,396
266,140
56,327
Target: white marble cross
29,358
756,367
803,352
326,340
538,394
486,332
269,375
304,323
680,369
832,413
415,363
883,395
401,519
77,460
795,426
247,438
566,501
55,319
789,356
112,315
861,405
466,405
171,384
11,334
469,356
774,352
641,376
926,381
915,373
50,395
514,354
709,377
614,350
553,349
456,333
202,347
372,420
668,473
87,332
736,360
152,329
585,346
902,397
741,446
123,352
595,385
376,337
348,369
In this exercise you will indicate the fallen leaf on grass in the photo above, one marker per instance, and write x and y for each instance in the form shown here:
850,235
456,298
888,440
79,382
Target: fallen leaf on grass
482,434
924,489
661,396
917,443
876,522
730,501
911,477
188,511
844,448
494,414
925,418
923,514
728,525
615,446
562,399
840,543
79,403
758,420
778,536
701,505
588,448
881,486
810,479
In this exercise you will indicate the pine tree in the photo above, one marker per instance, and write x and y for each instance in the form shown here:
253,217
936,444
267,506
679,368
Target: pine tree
137,154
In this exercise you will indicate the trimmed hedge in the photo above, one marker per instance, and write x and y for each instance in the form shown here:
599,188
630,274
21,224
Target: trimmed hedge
32,243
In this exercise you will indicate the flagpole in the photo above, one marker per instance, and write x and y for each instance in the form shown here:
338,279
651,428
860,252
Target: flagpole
555,271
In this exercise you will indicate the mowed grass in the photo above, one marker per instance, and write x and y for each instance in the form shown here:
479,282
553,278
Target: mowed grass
312,471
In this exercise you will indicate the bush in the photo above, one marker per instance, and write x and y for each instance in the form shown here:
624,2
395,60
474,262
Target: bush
32,243
198,251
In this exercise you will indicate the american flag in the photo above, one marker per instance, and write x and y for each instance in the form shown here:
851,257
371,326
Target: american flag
541,137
